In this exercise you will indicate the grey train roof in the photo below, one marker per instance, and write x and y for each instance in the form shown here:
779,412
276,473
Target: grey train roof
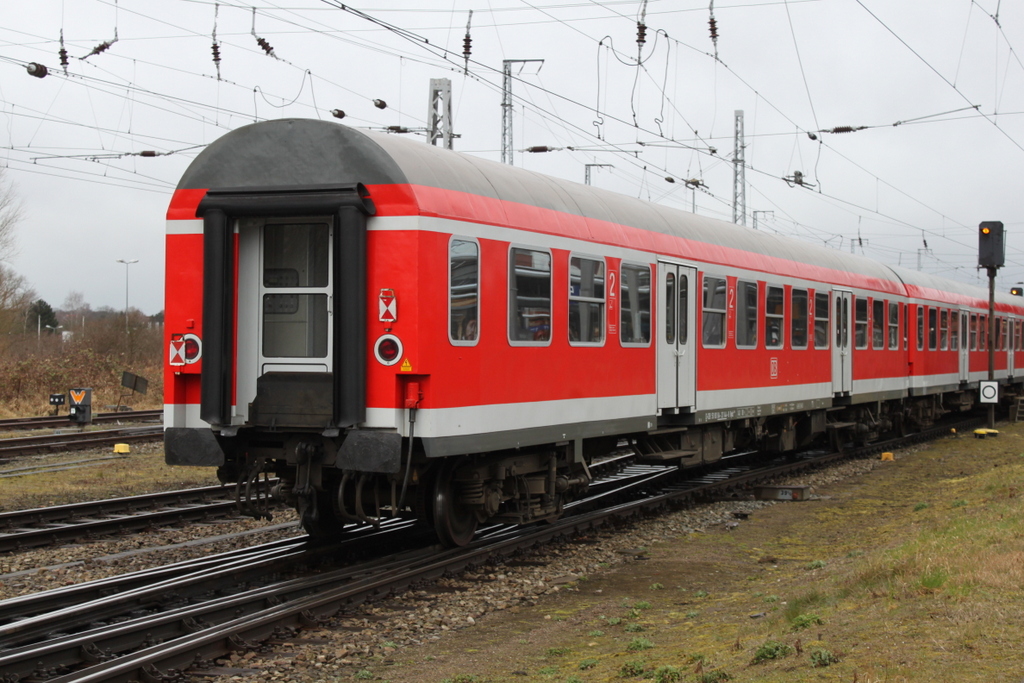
307,152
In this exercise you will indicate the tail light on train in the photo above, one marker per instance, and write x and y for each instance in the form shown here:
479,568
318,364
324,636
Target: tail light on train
388,349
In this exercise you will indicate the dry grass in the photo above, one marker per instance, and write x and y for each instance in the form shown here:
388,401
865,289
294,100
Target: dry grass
142,471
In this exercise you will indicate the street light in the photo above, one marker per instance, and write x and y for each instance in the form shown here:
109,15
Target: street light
126,264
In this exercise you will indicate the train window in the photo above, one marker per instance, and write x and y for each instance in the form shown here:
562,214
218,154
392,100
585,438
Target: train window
920,327
713,316
974,332
295,257
821,320
933,328
774,320
954,330
944,330
635,304
982,332
463,291
529,296
798,312
684,311
860,327
894,325
586,300
670,308
964,327
878,324
746,314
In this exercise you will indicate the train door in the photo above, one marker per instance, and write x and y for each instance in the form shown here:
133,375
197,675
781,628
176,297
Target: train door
284,299
676,346
965,349
1009,342
842,359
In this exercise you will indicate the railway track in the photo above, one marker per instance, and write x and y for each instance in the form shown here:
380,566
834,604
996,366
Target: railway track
77,440
23,529
132,634
58,421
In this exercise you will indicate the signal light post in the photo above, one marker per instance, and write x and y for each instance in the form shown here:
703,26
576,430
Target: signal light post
991,256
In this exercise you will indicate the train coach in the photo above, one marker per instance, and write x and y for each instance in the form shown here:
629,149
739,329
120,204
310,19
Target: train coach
393,329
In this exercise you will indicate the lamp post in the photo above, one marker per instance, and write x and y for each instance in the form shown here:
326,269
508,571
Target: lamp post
126,264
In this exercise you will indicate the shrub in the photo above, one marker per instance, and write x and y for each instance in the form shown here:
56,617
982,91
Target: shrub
822,657
588,664
771,649
632,668
667,674
633,628
643,604
638,644
816,564
920,506
802,621
713,676
558,651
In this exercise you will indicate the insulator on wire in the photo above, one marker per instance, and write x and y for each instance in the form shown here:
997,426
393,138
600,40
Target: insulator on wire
669,179
338,113
380,104
397,129
267,47
63,53
148,153
713,25
847,129
641,34
216,55
36,69
102,47
467,42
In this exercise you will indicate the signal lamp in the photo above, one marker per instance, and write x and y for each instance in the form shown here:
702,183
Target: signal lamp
388,349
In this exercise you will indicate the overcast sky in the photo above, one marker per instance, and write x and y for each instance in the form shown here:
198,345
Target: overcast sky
939,87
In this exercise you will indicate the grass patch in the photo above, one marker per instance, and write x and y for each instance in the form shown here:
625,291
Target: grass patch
668,674
558,651
802,621
588,664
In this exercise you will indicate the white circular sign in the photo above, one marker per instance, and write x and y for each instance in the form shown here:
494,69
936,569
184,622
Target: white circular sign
989,392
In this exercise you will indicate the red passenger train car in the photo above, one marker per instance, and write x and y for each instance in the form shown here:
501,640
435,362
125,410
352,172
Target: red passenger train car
395,329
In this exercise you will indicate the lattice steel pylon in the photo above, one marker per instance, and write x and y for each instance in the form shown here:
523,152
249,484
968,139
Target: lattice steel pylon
506,105
439,114
739,177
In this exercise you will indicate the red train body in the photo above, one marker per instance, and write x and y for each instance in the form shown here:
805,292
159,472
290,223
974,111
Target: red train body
396,329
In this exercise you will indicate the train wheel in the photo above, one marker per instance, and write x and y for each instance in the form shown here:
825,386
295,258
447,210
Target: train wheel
455,524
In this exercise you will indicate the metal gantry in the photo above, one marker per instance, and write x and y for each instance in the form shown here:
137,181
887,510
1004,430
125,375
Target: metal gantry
739,178
439,114
506,105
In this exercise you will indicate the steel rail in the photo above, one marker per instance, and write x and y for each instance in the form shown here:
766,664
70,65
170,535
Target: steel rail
58,421
25,445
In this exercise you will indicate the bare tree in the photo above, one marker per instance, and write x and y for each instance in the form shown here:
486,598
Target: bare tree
10,215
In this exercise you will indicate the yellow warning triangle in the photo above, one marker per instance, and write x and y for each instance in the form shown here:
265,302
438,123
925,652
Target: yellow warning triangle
406,366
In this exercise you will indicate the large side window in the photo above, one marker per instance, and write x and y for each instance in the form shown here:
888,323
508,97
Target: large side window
635,304
860,322
974,332
746,314
954,330
944,330
933,330
774,317
906,326
529,303
798,313
712,322
878,324
586,300
821,320
463,291
894,325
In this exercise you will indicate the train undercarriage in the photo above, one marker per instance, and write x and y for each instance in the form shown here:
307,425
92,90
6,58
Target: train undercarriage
455,495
